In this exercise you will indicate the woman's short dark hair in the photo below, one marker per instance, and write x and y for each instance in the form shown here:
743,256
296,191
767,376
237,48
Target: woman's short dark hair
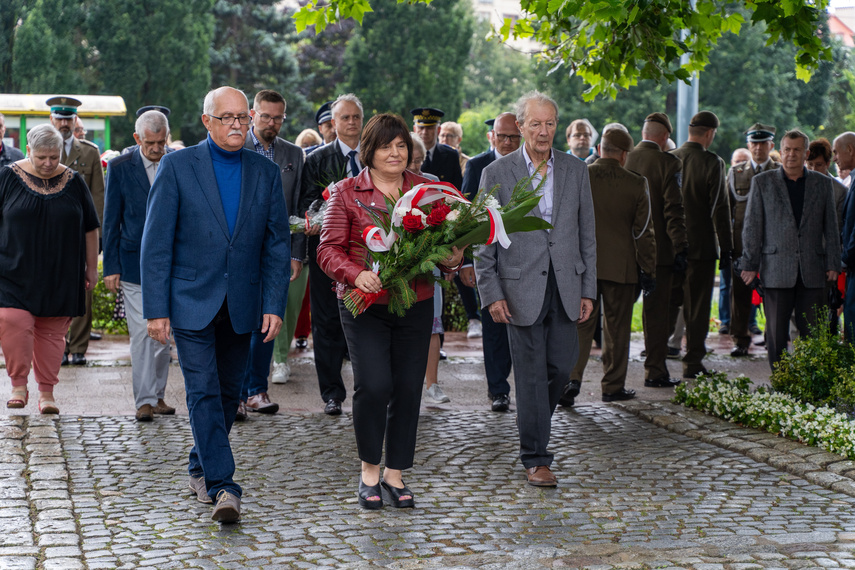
381,130
820,148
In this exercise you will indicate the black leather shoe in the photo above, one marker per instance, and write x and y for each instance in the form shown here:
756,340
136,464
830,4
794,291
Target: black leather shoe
302,343
739,351
78,359
570,392
94,336
501,403
673,353
663,382
693,375
242,414
755,330
366,493
65,359
724,329
622,394
333,407
395,495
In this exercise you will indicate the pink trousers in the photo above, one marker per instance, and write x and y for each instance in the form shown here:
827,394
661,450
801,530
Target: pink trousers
38,341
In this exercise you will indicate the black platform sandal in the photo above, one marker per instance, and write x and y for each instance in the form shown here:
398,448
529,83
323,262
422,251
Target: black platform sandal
365,492
395,495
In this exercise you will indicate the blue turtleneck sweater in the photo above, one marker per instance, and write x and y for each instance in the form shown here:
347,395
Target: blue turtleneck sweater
227,171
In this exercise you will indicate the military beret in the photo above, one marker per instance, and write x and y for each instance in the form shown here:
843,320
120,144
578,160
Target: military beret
159,108
705,119
426,116
618,138
760,133
660,118
324,114
63,107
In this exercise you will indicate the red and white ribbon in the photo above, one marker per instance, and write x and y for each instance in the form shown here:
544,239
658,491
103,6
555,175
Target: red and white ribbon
377,240
497,228
423,194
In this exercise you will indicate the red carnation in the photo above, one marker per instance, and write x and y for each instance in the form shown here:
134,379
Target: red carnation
437,214
412,223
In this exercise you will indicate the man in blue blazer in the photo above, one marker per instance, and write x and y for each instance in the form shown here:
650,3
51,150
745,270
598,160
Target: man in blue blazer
129,179
497,352
215,252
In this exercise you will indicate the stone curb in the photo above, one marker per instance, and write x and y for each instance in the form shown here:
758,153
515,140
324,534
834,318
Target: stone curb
816,466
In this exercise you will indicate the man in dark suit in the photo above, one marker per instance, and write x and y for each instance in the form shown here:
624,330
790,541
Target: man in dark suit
708,228
626,255
662,171
497,353
129,180
214,260
545,281
268,114
83,157
843,149
791,238
328,164
8,154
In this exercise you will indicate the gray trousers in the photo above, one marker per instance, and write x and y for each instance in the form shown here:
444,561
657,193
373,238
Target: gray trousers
543,356
149,358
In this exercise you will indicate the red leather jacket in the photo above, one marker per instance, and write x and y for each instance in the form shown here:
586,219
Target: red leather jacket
340,253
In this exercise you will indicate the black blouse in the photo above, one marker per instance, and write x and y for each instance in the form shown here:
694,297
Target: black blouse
43,226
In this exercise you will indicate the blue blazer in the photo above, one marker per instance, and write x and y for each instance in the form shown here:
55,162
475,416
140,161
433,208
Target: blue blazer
124,215
189,262
472,174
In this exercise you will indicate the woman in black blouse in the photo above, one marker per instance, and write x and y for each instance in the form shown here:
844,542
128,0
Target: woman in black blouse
48,259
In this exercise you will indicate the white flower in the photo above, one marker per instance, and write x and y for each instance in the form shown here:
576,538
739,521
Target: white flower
401,211
452,215
491,202
418,212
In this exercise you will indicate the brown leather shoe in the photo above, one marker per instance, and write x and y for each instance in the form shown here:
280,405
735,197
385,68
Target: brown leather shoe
162,409
144,413
261,403
541,476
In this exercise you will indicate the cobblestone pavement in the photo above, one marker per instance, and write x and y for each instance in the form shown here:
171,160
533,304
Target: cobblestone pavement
108,492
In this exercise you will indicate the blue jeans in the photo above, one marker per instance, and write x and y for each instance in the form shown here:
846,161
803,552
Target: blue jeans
258,367
724,296
213,361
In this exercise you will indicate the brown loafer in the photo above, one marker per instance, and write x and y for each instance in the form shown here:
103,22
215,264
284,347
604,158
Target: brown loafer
261,403
145,413
162,409
541,476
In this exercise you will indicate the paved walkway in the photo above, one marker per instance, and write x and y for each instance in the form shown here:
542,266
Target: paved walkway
643,485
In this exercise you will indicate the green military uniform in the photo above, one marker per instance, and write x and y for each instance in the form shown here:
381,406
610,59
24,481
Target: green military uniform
739,186
662,171
625,243
707,210
84,158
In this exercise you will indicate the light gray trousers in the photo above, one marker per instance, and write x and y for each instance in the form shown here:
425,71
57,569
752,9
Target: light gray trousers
149,358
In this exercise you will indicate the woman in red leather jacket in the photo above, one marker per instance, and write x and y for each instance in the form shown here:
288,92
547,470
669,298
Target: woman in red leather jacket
388,353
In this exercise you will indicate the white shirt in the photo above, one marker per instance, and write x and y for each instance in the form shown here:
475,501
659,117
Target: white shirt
150,168
757,167
547,191
346,150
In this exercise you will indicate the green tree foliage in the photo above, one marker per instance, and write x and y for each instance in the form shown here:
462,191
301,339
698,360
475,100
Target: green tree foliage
49,54
474,130
10,12
252,50
495,73
613,44
410,56
153,53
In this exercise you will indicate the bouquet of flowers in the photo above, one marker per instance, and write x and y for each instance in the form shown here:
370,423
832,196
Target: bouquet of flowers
314,217
418,231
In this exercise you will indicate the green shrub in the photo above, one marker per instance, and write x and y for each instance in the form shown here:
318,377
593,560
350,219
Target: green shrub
103,302
817,363
453,313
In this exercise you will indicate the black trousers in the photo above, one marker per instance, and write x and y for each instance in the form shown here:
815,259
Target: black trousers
389,356
780,304
327,335
497,355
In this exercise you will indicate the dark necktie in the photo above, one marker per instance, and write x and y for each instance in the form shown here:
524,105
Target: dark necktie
426,163
354,170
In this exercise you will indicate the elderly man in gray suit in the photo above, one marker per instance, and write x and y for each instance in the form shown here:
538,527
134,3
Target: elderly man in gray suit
791,237
545,282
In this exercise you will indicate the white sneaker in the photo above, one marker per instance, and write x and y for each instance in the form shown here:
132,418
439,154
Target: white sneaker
474,329
435,395
281,372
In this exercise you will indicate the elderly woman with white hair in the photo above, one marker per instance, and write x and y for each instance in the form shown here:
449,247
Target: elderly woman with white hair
48,259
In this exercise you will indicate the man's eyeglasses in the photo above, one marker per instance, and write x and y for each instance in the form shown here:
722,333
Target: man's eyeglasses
265,118
505,138
230,119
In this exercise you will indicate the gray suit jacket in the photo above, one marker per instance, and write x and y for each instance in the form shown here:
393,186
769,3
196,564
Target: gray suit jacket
289,157
519,274
774,246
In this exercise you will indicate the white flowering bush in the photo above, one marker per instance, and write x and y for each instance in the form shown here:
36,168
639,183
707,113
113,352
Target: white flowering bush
779,413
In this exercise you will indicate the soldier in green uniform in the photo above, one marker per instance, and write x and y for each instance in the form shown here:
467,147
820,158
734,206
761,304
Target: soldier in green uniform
626,254
707,211
761,141
83,157
662,171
